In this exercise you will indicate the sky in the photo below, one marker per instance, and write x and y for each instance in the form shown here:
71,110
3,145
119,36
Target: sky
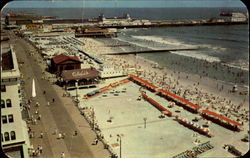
123,3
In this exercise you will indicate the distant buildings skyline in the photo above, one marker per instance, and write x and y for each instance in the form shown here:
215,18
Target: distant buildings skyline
124,3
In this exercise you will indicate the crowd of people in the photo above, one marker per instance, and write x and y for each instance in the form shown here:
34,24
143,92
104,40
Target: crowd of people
170,80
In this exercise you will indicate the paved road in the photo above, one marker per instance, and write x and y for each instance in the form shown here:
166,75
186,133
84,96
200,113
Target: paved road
62,115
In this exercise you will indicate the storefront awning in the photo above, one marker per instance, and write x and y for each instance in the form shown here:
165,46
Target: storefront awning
78,74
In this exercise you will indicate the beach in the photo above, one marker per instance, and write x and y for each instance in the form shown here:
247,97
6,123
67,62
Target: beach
126,113
168,79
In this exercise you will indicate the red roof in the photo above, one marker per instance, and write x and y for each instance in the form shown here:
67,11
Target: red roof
61,58
166,92
143,81
180,99
156,104
221,117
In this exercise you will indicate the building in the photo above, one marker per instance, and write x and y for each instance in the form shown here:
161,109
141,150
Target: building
20,19
96,32
109,71
238,17
14,131
126,20
234,16
80,78
62,62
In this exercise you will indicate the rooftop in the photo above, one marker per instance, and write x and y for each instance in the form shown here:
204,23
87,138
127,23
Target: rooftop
61,58
9,63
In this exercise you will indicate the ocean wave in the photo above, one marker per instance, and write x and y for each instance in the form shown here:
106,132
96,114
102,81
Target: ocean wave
212,47
242,65
180,44
162,40
136,44
197,55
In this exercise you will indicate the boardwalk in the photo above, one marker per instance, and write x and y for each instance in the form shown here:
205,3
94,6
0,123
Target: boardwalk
62,115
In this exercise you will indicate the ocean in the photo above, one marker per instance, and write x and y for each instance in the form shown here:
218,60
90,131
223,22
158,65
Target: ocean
224,50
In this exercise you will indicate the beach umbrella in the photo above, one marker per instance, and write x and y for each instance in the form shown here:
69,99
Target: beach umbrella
33,89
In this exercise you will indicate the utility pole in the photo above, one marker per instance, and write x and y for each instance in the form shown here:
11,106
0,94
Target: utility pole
145,119
76,85
120,139
93,117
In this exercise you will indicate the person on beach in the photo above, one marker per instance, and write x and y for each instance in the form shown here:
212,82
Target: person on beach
29,129
48,103
40,148
41,134
59,135
63,135
53,100
31,149
62,155
28,107
33,152
55,132
34,121
39,117
31,134
44,92
37,153
75,133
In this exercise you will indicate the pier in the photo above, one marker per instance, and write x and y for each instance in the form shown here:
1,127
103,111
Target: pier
176,23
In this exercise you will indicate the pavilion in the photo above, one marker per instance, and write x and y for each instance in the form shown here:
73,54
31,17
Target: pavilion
80,78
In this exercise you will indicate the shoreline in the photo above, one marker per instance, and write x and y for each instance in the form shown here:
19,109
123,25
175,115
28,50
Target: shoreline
182,80
193,62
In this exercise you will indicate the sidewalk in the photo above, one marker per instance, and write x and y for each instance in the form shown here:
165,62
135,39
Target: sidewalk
62,115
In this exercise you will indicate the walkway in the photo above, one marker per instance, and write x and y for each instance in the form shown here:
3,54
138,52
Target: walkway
62,115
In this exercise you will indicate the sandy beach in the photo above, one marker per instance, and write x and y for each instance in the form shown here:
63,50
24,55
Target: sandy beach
206,92
171,80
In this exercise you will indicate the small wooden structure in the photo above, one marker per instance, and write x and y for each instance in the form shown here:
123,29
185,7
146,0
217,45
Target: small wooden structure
62,62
